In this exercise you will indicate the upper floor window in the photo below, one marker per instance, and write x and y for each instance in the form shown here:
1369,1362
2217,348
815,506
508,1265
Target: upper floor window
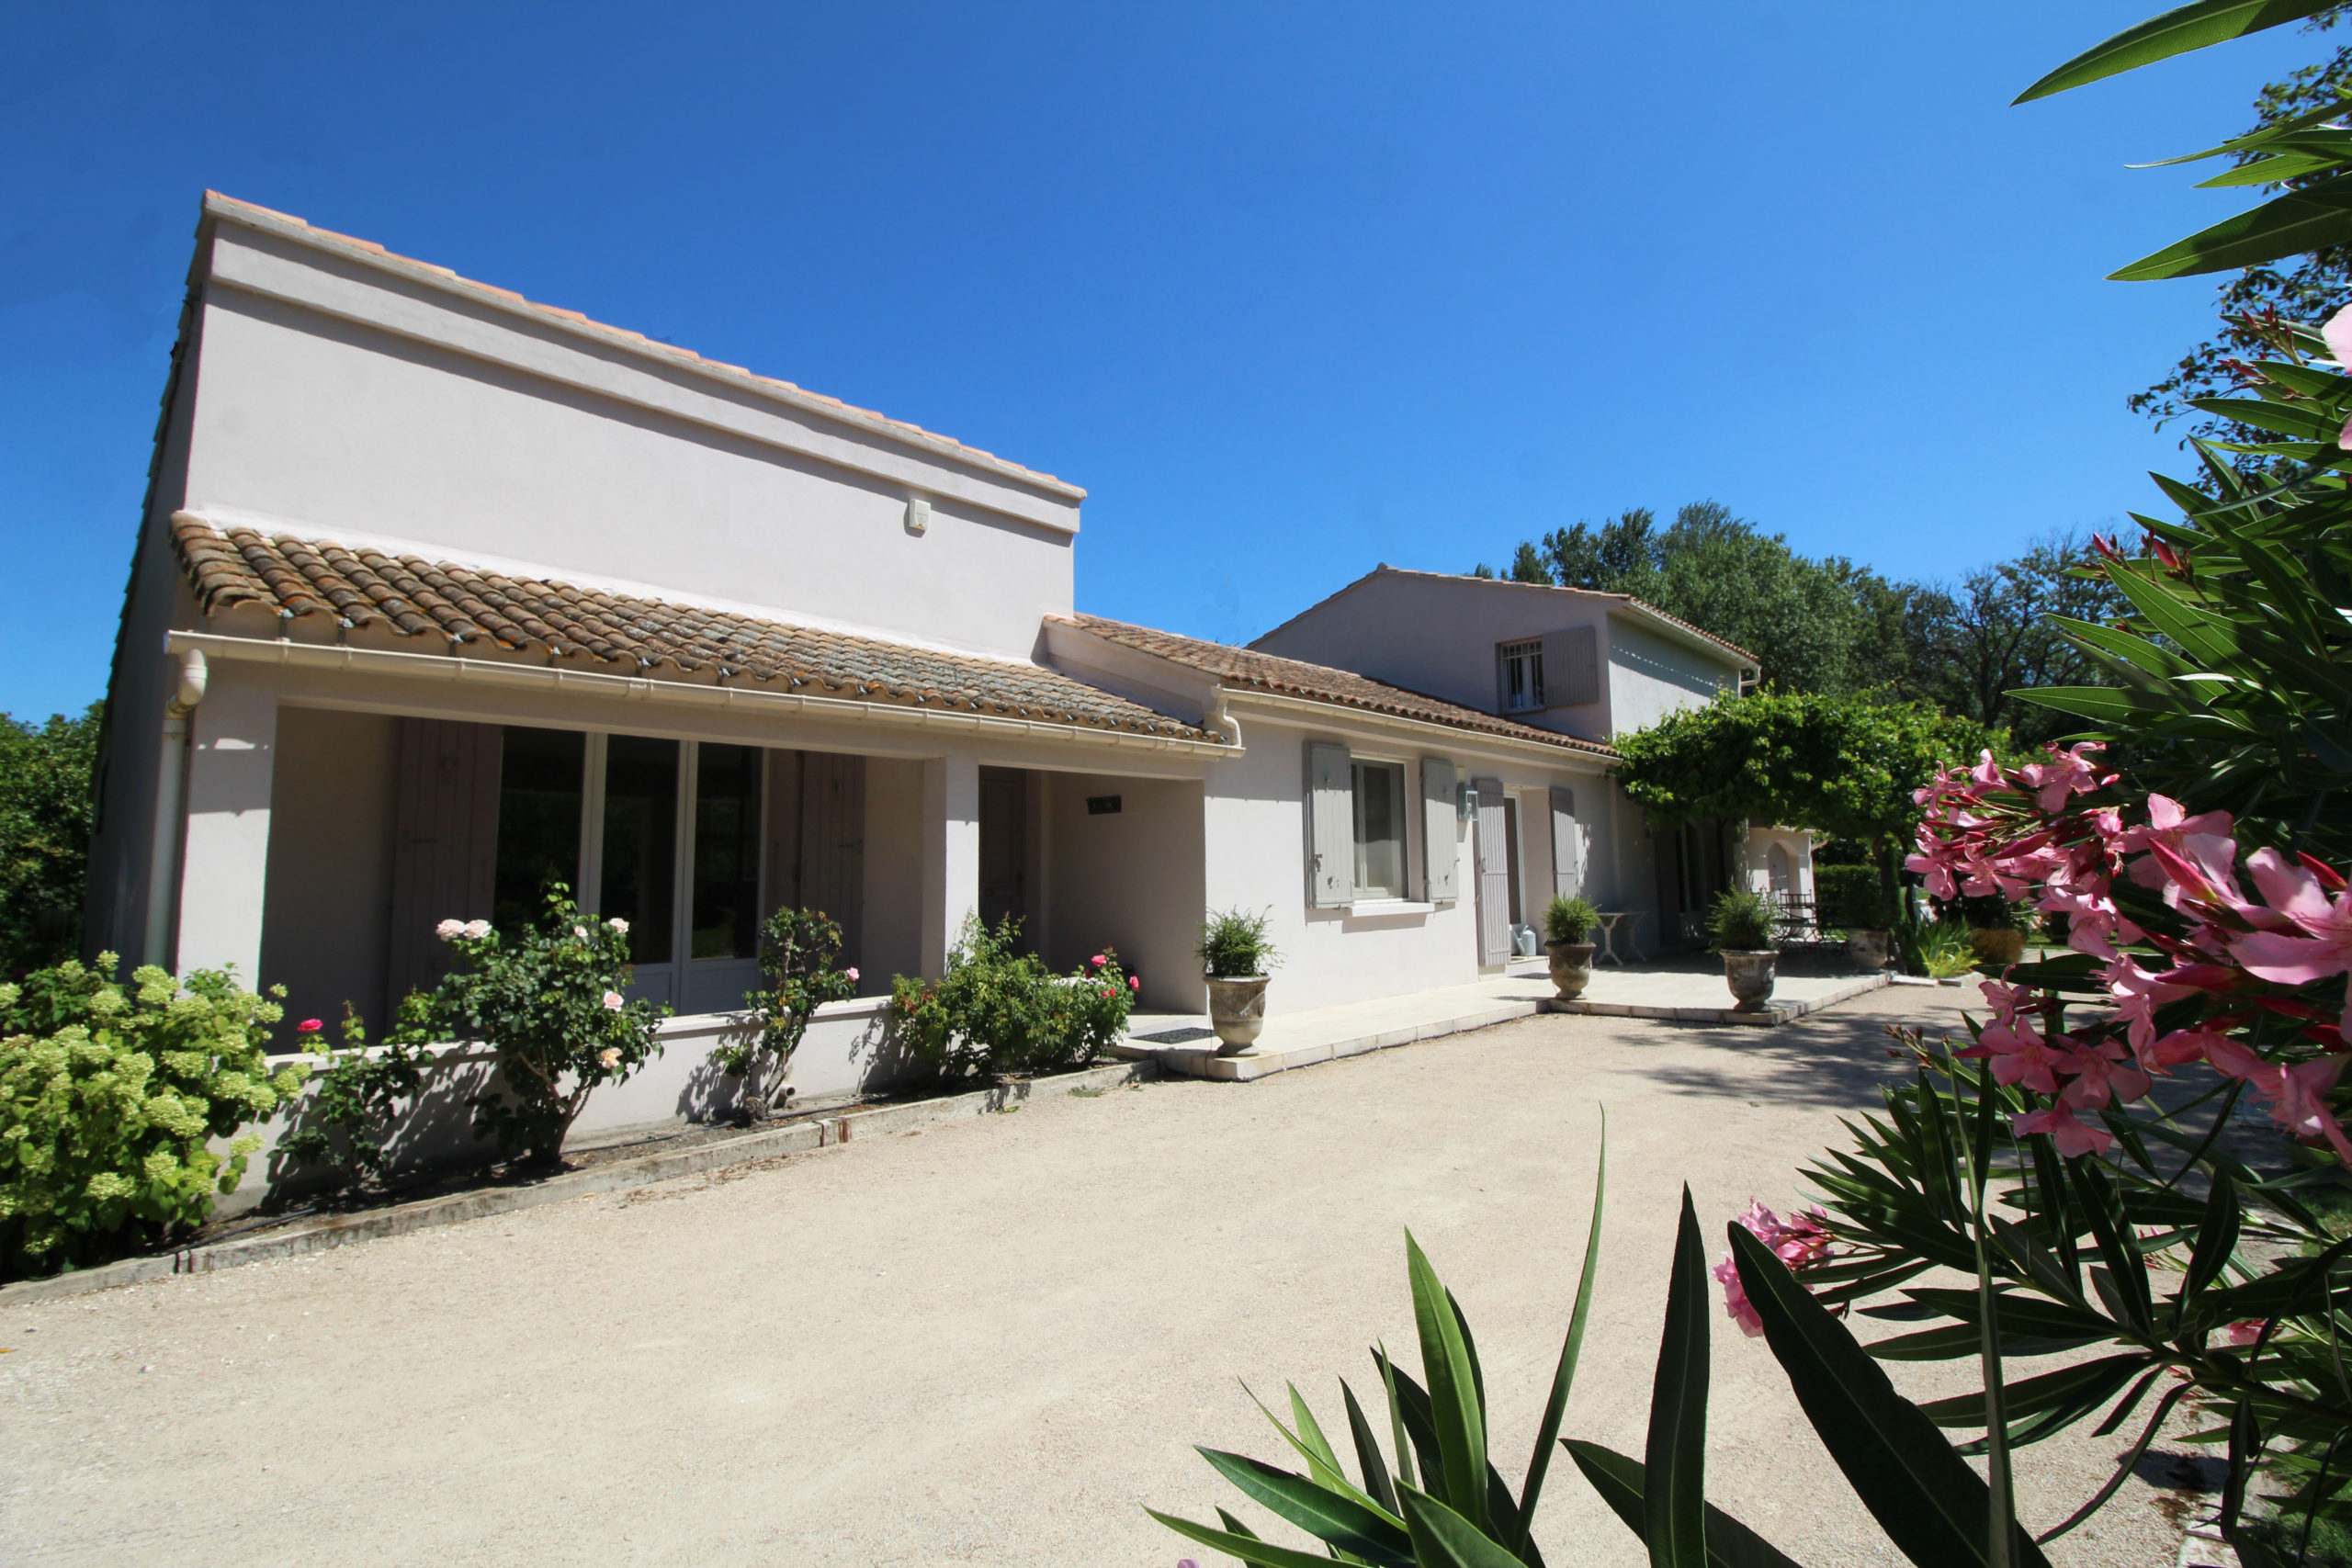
1522,675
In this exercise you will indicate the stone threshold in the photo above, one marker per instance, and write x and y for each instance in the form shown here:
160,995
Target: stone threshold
1256,1062
329,1231
1766,1016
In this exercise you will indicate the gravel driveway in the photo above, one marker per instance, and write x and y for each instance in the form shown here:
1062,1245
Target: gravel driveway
985,1342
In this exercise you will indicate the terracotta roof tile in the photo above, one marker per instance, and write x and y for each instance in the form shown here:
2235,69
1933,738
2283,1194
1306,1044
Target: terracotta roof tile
373,248
1246,668
290,576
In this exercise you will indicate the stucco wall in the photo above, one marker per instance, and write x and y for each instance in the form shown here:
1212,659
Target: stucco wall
326,916
1650,677
1438,636
432,433
1130,879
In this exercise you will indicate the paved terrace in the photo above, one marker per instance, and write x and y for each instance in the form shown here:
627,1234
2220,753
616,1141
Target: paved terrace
989,1342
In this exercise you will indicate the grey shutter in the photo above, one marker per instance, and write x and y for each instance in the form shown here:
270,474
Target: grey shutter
1332,826
445,844
1567,845
1441,855
1571,667
1492,842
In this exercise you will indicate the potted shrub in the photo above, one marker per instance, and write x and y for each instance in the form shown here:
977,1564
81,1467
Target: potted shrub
1236,956
1749,937
1868,918
1566,924
1996,931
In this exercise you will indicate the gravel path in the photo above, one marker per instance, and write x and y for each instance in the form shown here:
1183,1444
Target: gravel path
987,1342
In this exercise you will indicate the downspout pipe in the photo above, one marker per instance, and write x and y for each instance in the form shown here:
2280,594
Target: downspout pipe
171,783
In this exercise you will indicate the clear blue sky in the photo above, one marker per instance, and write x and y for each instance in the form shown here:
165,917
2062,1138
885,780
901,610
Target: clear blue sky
1293,289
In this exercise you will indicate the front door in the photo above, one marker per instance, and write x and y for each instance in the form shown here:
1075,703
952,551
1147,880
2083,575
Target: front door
1004,848
1491,849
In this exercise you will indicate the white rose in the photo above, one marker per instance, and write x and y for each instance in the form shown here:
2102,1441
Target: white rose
580,932
618,924
477,928
447,929
613,1001
610,1057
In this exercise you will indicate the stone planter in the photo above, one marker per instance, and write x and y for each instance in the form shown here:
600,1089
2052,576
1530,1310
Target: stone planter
1997,950
1237,1011
1866,950
1571,967
1750,976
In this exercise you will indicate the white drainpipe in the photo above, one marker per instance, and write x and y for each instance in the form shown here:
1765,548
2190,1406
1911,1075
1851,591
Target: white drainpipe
162,875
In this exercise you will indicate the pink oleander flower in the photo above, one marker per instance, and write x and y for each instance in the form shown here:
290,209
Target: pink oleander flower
609,1057
449,931
2316,940
2019,1054
2100,1075
477,928
850,974
2072,1135
2246,1331
1737,1306
2068,773
612,1001
309,1026
2139,994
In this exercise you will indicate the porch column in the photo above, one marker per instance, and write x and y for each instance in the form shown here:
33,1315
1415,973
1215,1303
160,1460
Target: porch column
225,862
951,853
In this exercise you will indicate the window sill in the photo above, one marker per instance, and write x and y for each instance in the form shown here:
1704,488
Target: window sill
1367,907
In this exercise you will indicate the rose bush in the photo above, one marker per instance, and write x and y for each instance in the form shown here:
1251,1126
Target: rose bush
548,999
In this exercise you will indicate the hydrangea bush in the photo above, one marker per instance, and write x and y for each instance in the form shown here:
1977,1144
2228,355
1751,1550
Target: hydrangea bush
547,1000
111,1098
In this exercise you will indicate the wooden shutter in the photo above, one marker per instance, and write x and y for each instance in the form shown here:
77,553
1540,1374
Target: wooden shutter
1332,826
1440,854
445,848
1492,843
1571,667
1567,845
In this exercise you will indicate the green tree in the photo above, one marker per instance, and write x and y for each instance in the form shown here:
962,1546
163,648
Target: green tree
45,818
1527,565
1845,767
1975,645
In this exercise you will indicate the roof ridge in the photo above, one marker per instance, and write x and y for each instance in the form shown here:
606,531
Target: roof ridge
218,200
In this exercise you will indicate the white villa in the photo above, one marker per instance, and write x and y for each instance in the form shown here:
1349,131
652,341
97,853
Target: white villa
440,592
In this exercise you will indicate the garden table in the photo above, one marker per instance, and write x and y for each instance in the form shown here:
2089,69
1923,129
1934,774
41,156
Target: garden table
1609,919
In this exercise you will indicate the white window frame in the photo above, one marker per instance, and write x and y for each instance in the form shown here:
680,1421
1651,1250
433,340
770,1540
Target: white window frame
1524,657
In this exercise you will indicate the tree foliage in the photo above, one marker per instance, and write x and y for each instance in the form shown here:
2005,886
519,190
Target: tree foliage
1841,766
45,818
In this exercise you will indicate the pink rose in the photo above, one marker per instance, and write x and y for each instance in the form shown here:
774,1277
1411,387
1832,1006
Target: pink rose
613,1001
1135,982
850,973
308,1026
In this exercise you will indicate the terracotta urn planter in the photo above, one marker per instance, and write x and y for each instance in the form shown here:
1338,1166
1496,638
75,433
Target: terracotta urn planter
1750,974
1236,1011
1997,950
1866,950
1571,967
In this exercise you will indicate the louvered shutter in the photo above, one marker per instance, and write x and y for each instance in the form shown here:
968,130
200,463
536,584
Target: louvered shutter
1440,854
1332,826
1571,667
1567,845
445,843
1492,843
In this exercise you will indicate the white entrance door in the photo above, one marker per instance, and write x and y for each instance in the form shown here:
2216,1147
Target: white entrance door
1491,843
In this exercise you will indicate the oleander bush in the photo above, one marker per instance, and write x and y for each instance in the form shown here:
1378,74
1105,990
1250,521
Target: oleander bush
110,1099
1000,1012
